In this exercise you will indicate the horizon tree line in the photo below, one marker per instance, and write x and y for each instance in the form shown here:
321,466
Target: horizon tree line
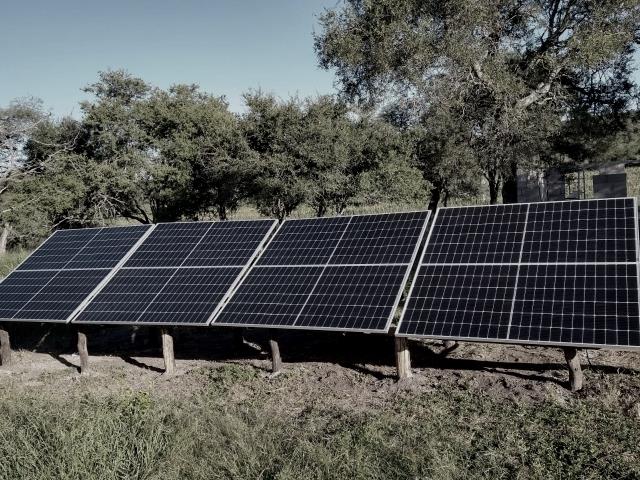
438,101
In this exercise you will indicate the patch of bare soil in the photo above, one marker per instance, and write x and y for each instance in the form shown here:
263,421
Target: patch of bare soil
350,371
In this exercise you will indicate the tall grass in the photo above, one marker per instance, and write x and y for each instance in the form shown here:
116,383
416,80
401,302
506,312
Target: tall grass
214,436
11,260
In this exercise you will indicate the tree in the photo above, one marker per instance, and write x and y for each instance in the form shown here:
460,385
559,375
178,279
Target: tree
505,70
205,157
391,175
329,149
116,144
17,122
273,131
445,159
624,145
52,198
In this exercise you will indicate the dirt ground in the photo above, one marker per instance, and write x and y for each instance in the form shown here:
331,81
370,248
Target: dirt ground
353,370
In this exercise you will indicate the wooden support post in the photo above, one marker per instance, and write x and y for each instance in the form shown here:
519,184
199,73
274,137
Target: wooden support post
5,347
575,370
403,358
167,352
83,351
276,360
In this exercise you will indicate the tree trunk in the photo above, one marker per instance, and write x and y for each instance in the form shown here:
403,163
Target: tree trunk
222,212
321,210
3,239
510,186
494,186
434,198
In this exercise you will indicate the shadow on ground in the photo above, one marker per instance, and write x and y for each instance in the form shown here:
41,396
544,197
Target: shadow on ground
359,352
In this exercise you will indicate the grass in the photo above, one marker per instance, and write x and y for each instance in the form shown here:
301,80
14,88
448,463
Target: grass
214,435
11,260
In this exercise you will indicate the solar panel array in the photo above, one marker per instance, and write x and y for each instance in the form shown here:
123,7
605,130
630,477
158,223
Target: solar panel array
179,274
562,273
343,273
57,277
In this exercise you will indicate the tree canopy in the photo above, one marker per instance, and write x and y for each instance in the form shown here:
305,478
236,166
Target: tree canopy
505,72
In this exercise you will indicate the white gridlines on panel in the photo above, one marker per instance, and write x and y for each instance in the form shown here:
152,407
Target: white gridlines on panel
302,299
635,264
175,269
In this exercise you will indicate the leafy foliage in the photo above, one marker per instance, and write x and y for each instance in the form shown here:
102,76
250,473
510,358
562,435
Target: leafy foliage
503,73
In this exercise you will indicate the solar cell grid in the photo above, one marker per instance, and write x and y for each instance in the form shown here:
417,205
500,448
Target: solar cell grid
270,296
58,276
360,298
169,244
305,242
461,301
477,235
107,247
58,298
575,281
229,243
581,304
160,295
179,274
343,273
372,239
600,231
58,249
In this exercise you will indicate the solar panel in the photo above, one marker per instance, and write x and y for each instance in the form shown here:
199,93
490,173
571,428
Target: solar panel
179,274
565,274
483,234
342,273
53,282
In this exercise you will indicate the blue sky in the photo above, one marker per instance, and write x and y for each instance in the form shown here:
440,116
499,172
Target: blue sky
51,49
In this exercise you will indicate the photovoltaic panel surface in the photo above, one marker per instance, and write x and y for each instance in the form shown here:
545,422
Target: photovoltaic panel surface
53,282
573,281
179,274
343,273
483,234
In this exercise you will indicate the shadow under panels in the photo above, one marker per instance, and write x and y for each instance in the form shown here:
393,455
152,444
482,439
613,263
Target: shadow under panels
179,274
550,273
341,273
53,282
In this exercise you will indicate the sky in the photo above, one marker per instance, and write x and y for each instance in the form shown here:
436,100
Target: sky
51,49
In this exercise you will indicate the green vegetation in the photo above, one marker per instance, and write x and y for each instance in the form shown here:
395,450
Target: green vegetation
214,434
10,260
490,86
